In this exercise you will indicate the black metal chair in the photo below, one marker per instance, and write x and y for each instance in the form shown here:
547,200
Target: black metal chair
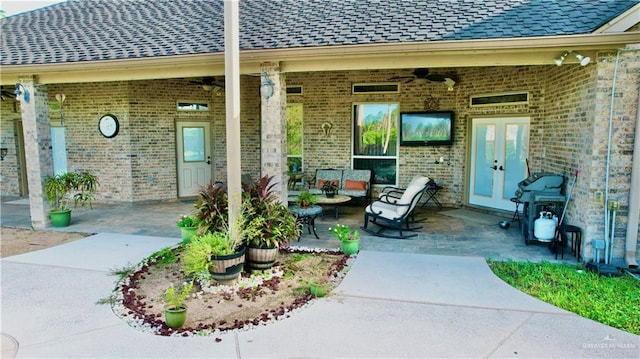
394,208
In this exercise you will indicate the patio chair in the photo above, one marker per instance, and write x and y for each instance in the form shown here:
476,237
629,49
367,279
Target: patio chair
393,194
393,212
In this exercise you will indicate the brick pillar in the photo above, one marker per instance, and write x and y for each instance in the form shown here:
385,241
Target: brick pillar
274,127
37,147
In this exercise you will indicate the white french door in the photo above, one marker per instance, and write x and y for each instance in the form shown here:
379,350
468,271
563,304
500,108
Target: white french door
499,152
194,156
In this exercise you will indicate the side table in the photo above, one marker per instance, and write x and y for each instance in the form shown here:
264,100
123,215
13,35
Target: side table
307,216
432,194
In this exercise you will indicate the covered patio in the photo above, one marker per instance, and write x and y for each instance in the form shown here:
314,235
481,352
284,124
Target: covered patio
445,231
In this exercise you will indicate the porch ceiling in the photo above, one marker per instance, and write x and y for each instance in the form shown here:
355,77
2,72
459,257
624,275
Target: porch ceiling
472,53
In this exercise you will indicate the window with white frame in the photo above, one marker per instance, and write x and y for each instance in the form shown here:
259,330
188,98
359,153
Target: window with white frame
375,140
294,137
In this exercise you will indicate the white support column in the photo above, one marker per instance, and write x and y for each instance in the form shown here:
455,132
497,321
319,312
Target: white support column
232,85
274,126
34,105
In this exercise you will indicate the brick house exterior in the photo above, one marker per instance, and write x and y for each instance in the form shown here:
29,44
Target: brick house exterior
569,106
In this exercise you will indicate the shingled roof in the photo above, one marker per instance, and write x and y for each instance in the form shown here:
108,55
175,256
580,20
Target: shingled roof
81,30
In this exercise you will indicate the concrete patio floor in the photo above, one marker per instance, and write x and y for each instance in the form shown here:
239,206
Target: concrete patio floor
446,231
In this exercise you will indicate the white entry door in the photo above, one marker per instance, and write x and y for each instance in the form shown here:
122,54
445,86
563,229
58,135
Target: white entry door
499,152
194,156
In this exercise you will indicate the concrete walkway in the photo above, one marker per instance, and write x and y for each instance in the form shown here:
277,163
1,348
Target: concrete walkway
389,305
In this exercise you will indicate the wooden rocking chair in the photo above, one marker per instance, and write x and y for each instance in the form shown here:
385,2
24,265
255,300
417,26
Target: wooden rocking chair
393,209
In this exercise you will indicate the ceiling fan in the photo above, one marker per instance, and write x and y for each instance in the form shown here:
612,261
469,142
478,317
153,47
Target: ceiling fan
6,94
209,84
422,76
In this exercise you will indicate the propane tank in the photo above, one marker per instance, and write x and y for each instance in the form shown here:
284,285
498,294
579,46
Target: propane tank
544,227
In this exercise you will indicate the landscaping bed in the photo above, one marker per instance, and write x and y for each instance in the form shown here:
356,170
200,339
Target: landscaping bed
258,297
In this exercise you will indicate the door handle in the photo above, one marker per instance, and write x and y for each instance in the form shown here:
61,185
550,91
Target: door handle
208,160
494,167
501,168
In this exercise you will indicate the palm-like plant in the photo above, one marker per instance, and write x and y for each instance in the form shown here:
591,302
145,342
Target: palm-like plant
212,208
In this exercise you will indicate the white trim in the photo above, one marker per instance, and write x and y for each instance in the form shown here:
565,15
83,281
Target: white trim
621,23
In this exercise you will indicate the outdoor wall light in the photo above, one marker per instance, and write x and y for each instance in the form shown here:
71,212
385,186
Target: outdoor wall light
584,60
266,89
21,91
3,153
60,97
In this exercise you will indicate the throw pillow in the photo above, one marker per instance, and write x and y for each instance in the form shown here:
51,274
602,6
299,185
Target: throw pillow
321,183
355,185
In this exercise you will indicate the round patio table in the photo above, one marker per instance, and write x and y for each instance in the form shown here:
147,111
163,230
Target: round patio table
335,200
307,216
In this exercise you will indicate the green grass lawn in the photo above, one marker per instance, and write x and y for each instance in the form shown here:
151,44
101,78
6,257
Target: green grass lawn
614,301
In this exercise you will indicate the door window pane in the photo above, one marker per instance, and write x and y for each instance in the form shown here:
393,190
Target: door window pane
515,163
485,155
193,144
375,140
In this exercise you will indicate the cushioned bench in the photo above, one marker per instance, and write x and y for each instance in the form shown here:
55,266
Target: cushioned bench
352,183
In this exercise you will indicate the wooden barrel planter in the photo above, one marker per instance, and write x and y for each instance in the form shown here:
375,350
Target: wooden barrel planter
261,258
227,268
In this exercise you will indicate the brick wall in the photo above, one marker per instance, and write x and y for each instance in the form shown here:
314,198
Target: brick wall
569,111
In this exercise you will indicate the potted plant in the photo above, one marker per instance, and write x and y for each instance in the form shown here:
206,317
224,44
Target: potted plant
319,288
267,223
188,225
306,199
215,255
175,312
330,188
349,240
61,189
211,207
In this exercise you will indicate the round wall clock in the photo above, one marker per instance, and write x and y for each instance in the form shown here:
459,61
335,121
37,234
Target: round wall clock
108,126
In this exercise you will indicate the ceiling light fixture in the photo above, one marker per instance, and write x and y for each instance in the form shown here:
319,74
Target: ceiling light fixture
584,60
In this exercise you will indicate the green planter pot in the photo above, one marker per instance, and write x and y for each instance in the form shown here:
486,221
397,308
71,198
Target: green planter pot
227,268
350,247
319,290
60,218
188,233
175,318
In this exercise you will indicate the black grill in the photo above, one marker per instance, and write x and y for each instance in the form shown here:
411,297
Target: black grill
539,192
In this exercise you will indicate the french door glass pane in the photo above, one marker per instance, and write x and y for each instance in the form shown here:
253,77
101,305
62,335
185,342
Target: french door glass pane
193,144
515,164
485,155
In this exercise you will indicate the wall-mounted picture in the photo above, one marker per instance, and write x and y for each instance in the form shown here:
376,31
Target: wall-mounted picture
427,128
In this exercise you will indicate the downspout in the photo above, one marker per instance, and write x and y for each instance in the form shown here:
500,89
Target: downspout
608,161
634,193
634,199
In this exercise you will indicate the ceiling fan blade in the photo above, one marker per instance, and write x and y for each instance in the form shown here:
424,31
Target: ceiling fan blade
421,73
436,77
